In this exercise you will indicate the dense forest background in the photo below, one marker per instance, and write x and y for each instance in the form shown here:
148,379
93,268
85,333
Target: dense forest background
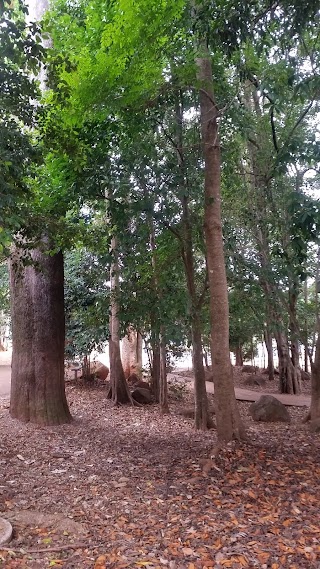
160,163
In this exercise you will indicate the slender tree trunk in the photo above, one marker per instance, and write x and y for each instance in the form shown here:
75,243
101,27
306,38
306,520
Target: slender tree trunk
294,334
38,337
239,355
155,370
119,390
164,405
268,343
229,424
159,371
201,400
86,371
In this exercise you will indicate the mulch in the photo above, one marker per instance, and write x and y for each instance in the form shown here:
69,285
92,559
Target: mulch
125,487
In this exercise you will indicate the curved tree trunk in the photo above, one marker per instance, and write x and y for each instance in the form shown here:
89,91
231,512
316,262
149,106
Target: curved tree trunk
229,424
38,336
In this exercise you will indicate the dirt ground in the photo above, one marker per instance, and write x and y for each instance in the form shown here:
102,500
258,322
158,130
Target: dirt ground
124,487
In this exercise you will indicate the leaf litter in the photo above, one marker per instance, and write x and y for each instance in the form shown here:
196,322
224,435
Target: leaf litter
125,488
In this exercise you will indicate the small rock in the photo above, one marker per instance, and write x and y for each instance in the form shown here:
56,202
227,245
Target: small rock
249,369
269,409
142,395
256,380
5,531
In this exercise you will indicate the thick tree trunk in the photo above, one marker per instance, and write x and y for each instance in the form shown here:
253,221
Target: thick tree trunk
315,383
287,371
268,343
131,353
38,337
119,390
229,424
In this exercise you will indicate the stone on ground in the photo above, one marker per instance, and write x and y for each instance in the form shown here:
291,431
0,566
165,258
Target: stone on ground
249,369
255,380
5,531
269,409
142,395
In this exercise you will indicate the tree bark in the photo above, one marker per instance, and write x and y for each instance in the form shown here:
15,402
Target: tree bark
315,383
287,371
119,391
268,343
201,415
38,338
229,424
155,370
239,355
131,353
164,404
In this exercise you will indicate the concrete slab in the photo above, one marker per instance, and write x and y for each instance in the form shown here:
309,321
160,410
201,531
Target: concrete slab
250,395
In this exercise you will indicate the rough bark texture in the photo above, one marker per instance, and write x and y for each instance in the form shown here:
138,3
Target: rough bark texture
131,353
287,371
119,391
315,383
229,424
38,336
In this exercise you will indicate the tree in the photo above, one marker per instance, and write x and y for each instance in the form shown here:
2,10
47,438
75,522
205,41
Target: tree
20,55
38,330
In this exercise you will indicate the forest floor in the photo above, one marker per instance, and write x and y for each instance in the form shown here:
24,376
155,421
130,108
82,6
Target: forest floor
125,488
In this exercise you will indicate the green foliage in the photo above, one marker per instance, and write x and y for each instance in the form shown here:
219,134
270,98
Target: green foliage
86,303
20,56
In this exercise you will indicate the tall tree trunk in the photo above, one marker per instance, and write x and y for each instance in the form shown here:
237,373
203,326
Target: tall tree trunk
315,382
38,336
268,343
229,424
38,326
201,414
159,372
164,404
155,370
119,390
